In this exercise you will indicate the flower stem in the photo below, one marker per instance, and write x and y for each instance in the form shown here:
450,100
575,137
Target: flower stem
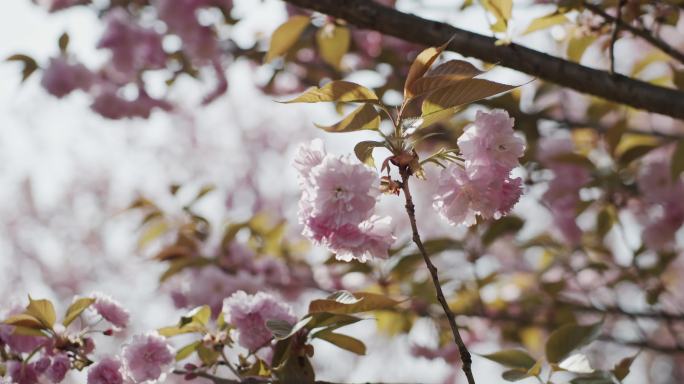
411,211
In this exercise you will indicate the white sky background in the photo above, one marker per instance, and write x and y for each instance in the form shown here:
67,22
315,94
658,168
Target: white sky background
61,148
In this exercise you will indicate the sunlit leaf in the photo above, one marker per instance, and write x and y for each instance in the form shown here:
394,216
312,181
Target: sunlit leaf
206,354
502,10
187,350
364,117
463,92
346,302
282,329
24,320
343,341
420,65
285,36
577,363
568,338
43,310
545,22
76,308
175,330
512,358
333,42
444,75
649,59
337,91
577,46
153,231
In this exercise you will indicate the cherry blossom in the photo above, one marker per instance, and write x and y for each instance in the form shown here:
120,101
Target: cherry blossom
107,371
147,357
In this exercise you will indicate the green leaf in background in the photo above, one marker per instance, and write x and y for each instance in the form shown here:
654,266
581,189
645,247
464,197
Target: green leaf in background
338,91
333,42
568,338
76,308
364,151
343,341
187,350
30,65
546,22
343,302
512,358
285,36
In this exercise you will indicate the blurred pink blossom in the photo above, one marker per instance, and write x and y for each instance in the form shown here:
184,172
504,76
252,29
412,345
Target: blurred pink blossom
62,77
107,371
111,310
147,357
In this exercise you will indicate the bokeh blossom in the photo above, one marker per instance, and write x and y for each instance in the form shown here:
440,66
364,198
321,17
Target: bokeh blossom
147,357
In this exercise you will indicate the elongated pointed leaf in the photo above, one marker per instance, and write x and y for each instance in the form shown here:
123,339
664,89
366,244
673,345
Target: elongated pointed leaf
30,65
333,42
364,151
76,308
502,10
577,46
187,350
420,65
282,329
24,320
460,68
337,91
343,341
546,22
512,358
285,36
463,92
363,117
568,338
346,303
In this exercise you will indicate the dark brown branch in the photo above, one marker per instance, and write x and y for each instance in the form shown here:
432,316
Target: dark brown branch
637,31
411,211
614,87
614,34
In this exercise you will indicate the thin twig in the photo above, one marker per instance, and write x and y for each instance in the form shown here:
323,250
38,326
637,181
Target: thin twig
614,34
411,211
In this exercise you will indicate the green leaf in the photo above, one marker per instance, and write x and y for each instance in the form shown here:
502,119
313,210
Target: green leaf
505,225
343,302
363,117
512,358
333,42
331,320
515,375
605,220
285,36
187,350
677,166
343,341
546,22
338,91
26,331
176,330
30,65
463,92
444,75
207,355
635,152
568,338
153,231
43,310
364,151
199,315
76,308
24,320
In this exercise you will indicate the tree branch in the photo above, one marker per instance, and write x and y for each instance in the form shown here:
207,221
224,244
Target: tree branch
411,211
636,31
614,87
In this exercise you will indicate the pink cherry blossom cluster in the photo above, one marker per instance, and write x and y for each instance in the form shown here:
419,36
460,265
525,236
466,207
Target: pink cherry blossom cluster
663,206
249,314
562,197
483,185
337,204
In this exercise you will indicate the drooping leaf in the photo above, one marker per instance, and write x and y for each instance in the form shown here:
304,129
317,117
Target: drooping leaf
333,42
43,310
502,10
463,92
30,65
512,358
364,151
364,117
285,36
420,65
338,91
343,341
76,308
677,166
546,22
345,302
568,338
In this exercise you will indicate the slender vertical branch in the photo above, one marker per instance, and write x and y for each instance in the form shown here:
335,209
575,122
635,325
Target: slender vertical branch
614,34
411,211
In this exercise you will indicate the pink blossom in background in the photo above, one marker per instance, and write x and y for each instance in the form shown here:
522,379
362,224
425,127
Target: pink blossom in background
180,16
133,47
62,76
147,357
107,371
59,368
249,313
22,373
111,310
110,104
58,5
